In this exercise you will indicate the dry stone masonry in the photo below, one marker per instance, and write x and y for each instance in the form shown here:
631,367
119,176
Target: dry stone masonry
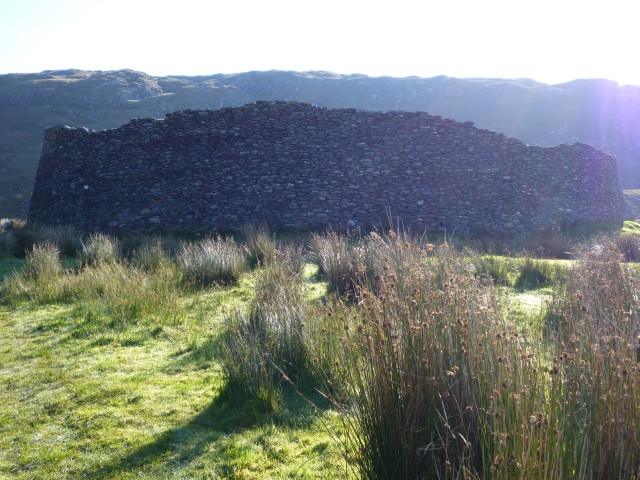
294,165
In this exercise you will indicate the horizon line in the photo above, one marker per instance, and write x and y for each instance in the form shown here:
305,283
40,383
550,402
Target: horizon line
322,71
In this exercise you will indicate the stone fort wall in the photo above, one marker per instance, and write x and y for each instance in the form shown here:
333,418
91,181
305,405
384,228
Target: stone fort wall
294,165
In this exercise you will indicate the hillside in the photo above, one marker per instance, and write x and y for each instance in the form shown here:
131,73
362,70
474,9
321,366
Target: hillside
597,112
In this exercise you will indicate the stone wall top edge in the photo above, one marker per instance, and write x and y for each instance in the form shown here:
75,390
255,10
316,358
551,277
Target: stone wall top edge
59,132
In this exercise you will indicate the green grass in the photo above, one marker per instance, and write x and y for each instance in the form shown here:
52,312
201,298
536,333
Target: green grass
525,309
141,401
631,227
88,393
504,270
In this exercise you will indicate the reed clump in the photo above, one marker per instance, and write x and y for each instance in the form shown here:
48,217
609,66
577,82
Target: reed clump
211,261
99,249
339,258
437,384
39,281
595,328
103,287
259,244
268,346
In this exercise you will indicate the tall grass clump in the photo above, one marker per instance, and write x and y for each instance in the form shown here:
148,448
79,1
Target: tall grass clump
104,289
348,263
66,238
437,384
500,270
98,249
43,263
259,244
211,261
394,253
339,260
269,345
552,244
123,294
596,327
292,256
130,245
532,274
151,256
39,281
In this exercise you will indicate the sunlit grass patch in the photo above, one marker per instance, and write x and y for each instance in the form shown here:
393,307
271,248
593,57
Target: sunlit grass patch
90,404
631,226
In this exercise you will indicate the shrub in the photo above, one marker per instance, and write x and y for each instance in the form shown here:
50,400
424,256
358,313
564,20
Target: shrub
259,244
99,249
212,260
11,224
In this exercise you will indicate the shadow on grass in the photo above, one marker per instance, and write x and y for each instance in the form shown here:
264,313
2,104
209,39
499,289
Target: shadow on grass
226,414
201,356
72,322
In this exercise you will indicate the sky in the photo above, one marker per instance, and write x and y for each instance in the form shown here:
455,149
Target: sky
548,40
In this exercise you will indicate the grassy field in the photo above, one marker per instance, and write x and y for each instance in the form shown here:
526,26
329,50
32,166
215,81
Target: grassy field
81,400
377,357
